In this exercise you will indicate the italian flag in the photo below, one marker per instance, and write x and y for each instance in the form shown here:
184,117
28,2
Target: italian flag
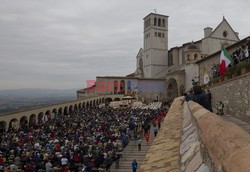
225,60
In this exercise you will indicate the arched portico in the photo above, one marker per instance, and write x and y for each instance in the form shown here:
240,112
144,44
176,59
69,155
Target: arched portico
108,100
3,126
13,124
47,116
32,120
40,118
172,89
117,99
65,111
54,113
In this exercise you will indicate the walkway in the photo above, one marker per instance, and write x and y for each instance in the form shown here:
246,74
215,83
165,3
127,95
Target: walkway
242,124
131,152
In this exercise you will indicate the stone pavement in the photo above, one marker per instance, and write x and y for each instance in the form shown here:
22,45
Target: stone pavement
131,152
242,124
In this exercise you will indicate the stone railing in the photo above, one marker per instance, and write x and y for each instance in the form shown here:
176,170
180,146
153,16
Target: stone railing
193,139
226,146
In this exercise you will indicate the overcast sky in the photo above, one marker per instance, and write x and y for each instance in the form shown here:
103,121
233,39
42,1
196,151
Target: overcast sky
63,43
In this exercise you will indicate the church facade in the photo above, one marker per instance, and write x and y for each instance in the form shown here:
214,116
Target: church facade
163,74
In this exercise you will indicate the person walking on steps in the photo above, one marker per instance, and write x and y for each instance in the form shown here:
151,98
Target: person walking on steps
139,144
147,137
134,165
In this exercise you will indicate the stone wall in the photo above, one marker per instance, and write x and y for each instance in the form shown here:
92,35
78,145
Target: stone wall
226,144
235,94
192,155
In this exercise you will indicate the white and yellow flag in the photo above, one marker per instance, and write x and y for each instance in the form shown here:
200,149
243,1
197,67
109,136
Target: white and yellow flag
206,78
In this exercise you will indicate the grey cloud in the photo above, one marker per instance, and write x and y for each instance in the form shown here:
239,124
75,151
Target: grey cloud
61,43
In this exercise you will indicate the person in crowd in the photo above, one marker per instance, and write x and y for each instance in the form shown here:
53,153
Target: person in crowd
147,137
210,98
200,96
155,130
134,165
139,144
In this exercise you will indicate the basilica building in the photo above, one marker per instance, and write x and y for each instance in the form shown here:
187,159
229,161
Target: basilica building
162,73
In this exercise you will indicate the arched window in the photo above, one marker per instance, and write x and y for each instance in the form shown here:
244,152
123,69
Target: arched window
140,64
188,57
163,22
195,56
155,21
149,21
159,22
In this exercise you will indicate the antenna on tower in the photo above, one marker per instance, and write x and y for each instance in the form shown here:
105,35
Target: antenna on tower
155,10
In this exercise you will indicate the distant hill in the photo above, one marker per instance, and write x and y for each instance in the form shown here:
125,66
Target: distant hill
37,92
20,99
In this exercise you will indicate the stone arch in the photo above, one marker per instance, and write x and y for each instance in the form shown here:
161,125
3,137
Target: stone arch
159,22
71,109
163,23
108,100
80,106
65,111
40,118
83,105
13,124
103,100
117,99
23,122
54,113
3,126
47,116
100,100
195,57
115,87
94,103
87,104
122,87
172,89
91,104
32,120
155,21
60,111
75,107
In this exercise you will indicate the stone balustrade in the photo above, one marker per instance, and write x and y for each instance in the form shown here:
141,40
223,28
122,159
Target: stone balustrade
193,139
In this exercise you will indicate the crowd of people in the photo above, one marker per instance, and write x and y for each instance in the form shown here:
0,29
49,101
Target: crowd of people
241,54
86,140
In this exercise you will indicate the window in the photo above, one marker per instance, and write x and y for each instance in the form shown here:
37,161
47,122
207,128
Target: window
163,35
155,34
225,33
170,59
163,22
159,34
195,56
159,22
155,21
188,57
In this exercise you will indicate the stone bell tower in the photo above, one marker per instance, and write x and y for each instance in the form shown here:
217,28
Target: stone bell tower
155,44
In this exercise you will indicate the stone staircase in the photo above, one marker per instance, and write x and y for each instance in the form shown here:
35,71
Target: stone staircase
131,152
